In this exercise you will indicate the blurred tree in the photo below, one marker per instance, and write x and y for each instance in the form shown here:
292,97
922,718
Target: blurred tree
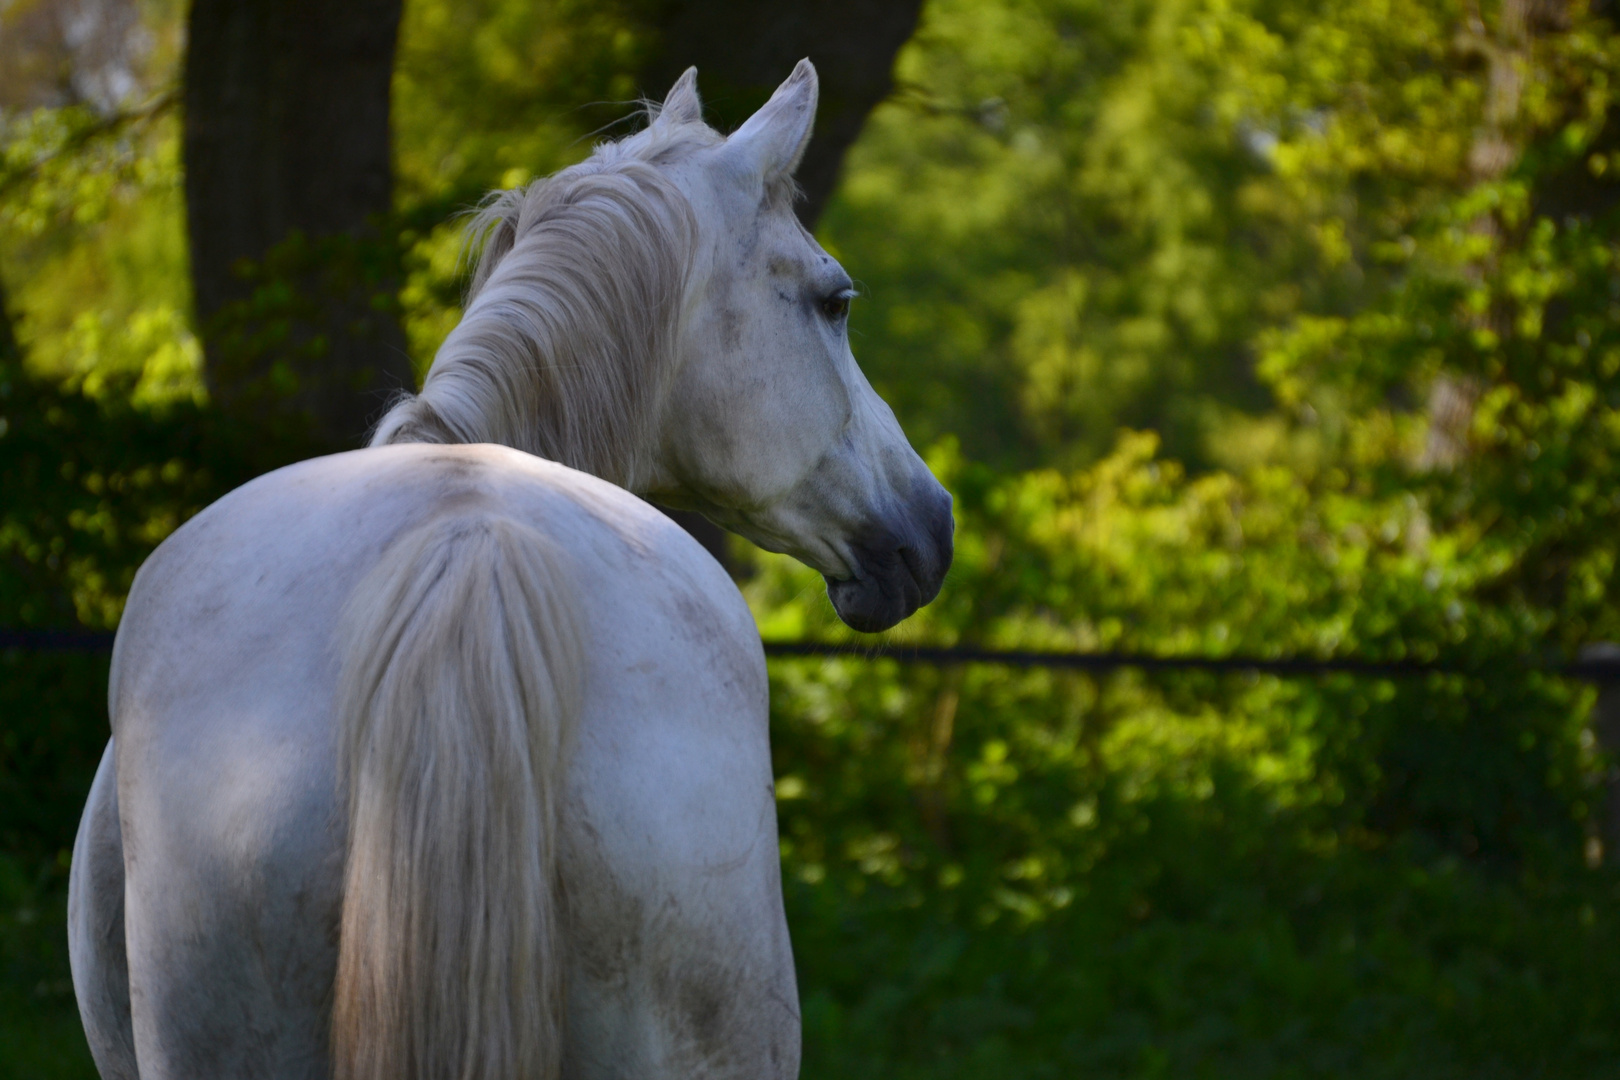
744,48
9,353
288,162
56,53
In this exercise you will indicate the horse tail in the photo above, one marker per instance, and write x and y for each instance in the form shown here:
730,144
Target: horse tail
461,660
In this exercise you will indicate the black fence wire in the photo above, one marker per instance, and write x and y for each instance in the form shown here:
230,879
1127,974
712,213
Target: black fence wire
1597,668
1599,664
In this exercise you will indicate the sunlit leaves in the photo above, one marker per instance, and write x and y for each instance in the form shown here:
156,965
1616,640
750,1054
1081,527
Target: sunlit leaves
1121,201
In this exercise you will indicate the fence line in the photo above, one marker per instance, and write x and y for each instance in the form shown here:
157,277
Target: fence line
1596,664
55,641
1604,668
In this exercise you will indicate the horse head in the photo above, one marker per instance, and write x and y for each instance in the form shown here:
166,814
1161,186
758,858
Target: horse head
769,427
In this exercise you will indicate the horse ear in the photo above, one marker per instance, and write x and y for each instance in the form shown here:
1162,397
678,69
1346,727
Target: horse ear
682,104
772,141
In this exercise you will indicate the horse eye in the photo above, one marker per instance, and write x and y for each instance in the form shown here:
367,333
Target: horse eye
836,306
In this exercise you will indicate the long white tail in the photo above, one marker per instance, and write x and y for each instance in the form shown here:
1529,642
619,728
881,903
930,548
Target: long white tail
462,654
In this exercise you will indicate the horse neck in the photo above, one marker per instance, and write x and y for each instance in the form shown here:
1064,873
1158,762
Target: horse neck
567,345
483,386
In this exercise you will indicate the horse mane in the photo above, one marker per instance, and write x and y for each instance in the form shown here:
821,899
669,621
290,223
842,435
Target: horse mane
573,316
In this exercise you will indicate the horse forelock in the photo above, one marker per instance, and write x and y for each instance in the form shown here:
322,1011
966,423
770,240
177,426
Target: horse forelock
572,317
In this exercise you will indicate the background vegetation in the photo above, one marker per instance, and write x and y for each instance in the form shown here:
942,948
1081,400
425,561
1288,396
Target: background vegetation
1235,326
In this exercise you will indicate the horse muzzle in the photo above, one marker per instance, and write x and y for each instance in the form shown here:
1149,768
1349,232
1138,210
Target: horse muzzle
898,568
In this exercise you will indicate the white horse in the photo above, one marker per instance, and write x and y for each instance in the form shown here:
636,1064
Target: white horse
448,758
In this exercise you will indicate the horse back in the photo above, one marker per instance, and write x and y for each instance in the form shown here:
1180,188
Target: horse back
222,702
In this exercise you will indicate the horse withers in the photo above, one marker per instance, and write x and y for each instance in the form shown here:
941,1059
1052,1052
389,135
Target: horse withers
448,758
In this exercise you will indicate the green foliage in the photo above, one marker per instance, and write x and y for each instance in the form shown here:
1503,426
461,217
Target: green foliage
487,95
55,724
1044,873
1117,199
90,207
40,1033
1172,207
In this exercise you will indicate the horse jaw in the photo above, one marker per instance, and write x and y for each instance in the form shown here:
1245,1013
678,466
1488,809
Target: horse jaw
770,428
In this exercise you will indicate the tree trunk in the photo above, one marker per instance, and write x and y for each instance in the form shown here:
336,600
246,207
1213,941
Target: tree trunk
744,48
9,352
287,164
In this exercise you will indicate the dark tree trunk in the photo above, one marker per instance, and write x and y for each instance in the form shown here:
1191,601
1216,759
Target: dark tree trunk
8,338
743,49
287,159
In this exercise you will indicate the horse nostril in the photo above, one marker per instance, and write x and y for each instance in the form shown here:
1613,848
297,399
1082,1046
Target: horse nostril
925,569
